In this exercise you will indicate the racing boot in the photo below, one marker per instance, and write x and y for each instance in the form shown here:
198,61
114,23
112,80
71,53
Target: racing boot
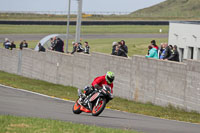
82,98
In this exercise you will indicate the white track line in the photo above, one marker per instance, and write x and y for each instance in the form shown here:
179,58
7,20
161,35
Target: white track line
109,109
36,93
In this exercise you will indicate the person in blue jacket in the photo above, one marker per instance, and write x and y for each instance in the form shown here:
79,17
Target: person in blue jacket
153,53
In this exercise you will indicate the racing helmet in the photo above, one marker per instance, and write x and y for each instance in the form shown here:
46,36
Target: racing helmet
110,77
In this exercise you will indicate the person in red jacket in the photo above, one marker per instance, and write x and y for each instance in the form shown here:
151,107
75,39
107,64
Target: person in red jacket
98,83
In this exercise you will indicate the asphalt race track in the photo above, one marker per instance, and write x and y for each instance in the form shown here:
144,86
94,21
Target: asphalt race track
22,103
20,37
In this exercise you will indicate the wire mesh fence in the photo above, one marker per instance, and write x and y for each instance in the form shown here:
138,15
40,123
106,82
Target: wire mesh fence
86,15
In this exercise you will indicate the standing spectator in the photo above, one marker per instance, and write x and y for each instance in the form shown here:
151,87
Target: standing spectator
161,49
175,55
114,47
25,44
12,45
171,48
21,45
123,50
87,48
41,48
116,50
167,53
52,40
53,43
153,42
153,53
7,43
59,45
75,46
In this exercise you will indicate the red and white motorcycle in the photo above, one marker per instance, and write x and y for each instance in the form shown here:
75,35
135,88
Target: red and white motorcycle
95,102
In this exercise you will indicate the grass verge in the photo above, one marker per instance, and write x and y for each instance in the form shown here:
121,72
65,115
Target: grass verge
13,124
70,93
136,46
91,29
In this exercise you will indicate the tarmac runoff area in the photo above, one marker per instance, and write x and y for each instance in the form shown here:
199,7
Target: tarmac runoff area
20,37
20,102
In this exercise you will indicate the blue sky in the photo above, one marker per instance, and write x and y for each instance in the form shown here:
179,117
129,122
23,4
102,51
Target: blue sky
88,5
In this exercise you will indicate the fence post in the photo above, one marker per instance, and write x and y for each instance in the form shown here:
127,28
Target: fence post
19,62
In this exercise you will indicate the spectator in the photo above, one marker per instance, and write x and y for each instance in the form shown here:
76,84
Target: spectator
153,42
167,52
7,43
53,43
25,44
75,46
123,50
21,45
149,48
175,55
153,53
171,48
80,48
41,48
87,48
59,45
12,45
116,52
114,47
160,52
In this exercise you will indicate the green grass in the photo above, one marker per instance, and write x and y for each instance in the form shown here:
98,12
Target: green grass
175,11
171,9
95,29
13,124
136,46
70,93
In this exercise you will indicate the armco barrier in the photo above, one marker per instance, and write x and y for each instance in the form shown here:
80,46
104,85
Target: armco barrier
21,22
137,78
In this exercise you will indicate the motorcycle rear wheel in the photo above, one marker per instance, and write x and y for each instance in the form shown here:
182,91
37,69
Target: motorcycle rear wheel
99,108
76,108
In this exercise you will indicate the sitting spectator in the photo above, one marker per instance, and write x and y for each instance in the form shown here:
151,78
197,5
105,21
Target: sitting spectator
153,42
123,50
7,43
87,48
114,47
149,48
41,48
80,48
167,52
175,55
153,53
12,45
75,46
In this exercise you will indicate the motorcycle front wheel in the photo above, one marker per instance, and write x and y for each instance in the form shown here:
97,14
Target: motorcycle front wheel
76,108
100,107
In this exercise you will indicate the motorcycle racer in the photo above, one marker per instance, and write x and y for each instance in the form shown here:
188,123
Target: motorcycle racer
98,83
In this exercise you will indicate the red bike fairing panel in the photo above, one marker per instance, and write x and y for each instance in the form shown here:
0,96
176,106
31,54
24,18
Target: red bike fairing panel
94,97
85,110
